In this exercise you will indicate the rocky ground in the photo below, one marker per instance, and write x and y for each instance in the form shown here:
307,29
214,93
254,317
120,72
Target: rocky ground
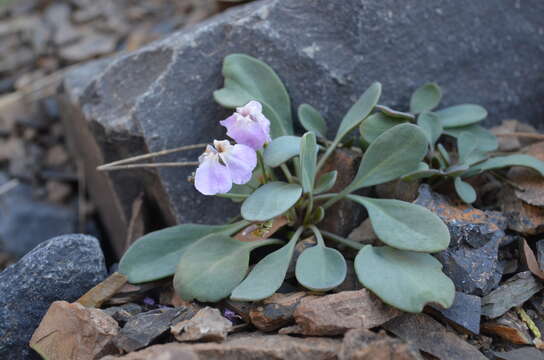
63,297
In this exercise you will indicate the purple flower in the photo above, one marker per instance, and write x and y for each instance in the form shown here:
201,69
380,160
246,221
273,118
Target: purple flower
248,126
223,164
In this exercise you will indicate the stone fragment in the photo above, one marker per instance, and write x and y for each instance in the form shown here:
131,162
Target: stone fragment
207,325
512,143
523,218
471,260
240,308
514,292
362,344
63,268
365,234
103,291
523,353
466,312
123,313
254,346
142,329
540,253
73,332
430,336
337,313
530,182
276,311
510,328
90,46
398,189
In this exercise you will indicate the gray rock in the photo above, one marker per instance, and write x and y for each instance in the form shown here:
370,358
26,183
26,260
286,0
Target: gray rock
161,96
26,222
466,311
63,268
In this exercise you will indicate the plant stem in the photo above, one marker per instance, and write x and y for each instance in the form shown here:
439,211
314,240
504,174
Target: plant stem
352,244
152,165
326,155
335,198
318,236
287,173
310,208
233,196
260,160
325,196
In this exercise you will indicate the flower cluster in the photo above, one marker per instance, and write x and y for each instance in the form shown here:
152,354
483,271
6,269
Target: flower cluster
223,164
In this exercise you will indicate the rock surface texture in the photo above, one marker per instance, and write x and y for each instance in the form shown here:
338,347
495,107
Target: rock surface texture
161,96
62,268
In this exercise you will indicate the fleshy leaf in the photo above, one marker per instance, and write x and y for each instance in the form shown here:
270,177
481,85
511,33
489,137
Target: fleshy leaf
469,150
425,98
270,200
404,225
461,115
320,268
406,280
281,149
213,266
423,171
156,255
308,161
486,140
359,111
431,126
376,124
510,160
395,153
311,120
246,79
325,182
465,191
395,113
266,277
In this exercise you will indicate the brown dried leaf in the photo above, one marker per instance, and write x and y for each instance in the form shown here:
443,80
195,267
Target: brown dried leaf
531,261
261,231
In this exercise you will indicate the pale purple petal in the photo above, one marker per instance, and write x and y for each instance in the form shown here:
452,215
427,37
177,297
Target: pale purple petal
248,126
251,108
212,177
240,160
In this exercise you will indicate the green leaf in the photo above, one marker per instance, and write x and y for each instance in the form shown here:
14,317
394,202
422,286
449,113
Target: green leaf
423,171
376,124
455,170
486,140
270,200
431,126
312,121
395,113
404,225
395,153
359,111
325,182
308,161
445,156
320,268
281,149
267,276
465,191
404,279
461,115
213,266
246,79
155,255
425,98
469,150
510,160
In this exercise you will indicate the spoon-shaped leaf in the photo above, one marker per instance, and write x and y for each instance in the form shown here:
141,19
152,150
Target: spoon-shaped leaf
423,171
510,160
270,200
325,182
395,153
404,279
246,79
395,113
308,161
359,111
213,266
376,124
156,255
320,268
281,149
486,140
469,150
425,98
461,115
311,120
465,191
405,225
431,126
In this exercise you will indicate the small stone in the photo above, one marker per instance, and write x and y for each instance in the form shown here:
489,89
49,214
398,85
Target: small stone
540,253
103,291
362,344
90,46
524,353
465,312
123,313
514,292
512,143
523,218
276,311
433,338
510,328
56,156
142,329
240,308
73,332
207,325
398,189
62,268
528,179
58,192
337,313
365,234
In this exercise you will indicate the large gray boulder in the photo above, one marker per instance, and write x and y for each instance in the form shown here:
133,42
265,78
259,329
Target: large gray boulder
62,268
326,53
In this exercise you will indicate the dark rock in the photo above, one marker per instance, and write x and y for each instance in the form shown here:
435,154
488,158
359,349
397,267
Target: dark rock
361,344
465,312
514,292
144,328
540,253
25,222
123,313
275,311
471,260
63,268
524,353
160,97
509,327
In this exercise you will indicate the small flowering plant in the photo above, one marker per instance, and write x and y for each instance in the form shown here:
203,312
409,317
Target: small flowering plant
278,177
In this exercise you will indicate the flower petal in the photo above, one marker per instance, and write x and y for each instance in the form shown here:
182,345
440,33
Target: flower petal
212,177
251,108
240,160
246,131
